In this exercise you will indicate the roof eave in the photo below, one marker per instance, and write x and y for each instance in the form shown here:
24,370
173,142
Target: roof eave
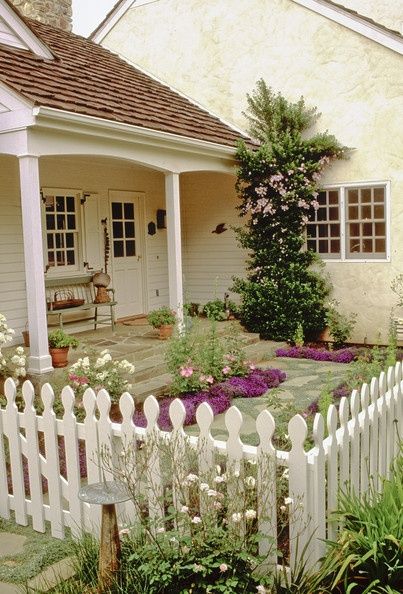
65,119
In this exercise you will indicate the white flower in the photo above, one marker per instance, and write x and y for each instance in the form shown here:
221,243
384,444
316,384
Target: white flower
212,493
204,487
219,479
99,363
196,520
218,469
173,539
192,478
250,514
283,508
15,359
105,352
184,509
107,357
85,362
20,351
261,590
124,532
236,518
160,530
288,500
223,567
252,461
250,481
285,474
217,505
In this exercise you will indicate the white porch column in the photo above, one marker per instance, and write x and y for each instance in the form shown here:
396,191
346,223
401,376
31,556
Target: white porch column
172,198
39,360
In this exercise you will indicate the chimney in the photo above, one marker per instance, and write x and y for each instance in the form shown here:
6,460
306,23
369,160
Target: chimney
57,13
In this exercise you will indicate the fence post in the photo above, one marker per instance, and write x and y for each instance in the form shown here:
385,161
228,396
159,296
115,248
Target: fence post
4,501
298,473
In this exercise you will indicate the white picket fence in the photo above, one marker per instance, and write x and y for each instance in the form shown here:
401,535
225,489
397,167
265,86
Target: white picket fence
362,441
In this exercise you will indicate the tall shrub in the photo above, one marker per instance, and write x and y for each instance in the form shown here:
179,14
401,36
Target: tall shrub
278,188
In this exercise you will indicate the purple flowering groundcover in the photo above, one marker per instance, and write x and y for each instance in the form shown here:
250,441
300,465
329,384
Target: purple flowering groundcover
303,352
219,396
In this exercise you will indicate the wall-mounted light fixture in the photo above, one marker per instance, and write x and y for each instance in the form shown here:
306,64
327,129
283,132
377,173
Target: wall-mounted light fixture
161,216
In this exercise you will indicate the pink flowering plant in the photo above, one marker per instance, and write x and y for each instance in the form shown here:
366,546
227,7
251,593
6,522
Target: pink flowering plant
198,360
278,186
99,370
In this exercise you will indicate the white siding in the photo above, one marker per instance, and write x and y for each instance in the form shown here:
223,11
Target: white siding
210,259
12,271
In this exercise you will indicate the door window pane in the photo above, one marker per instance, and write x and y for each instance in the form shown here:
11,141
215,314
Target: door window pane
117,212
118,249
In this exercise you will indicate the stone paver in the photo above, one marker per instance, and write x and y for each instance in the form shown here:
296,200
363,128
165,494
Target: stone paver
11,544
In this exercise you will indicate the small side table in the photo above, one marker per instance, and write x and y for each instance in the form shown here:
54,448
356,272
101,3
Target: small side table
107,494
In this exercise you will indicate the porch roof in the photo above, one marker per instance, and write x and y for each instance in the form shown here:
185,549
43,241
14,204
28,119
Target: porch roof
88,79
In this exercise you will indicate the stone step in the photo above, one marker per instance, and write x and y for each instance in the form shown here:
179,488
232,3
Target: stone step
157,386
149,367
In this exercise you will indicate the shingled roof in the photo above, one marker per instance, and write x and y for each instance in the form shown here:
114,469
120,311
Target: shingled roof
88,79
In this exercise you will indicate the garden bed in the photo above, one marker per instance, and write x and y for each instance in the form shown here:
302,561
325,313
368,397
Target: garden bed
346,355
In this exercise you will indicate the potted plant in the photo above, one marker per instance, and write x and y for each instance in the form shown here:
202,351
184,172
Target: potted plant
163,319
59,344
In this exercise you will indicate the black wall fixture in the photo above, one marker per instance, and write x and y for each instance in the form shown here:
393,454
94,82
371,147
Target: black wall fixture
161,216
151,228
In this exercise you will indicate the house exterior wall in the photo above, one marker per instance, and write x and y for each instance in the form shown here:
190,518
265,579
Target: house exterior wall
210,260
385,12
216,51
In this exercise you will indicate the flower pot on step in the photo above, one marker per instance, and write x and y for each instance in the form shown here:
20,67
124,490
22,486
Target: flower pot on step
59,356
165,331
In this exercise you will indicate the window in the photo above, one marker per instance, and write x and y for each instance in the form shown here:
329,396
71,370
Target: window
62,229
351,223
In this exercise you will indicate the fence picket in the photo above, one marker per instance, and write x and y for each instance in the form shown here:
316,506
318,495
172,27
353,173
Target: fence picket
382,460
177,414
33,457
267,487
344,445
364,429
12,431
52,465
318,506
4,499
390,419
128,451
355,443
105,436
154,481
233,423
205,444
374,432
298,481
398,403
332,478
92,513
72,461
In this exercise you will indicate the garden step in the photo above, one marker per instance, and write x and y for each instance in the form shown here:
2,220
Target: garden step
149,368
157,386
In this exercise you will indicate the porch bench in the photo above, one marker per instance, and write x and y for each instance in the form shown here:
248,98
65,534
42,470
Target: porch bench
78,288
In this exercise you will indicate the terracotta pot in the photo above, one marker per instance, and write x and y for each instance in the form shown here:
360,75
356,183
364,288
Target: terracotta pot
165,331
59,356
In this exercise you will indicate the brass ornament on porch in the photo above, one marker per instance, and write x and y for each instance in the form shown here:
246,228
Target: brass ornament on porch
102,279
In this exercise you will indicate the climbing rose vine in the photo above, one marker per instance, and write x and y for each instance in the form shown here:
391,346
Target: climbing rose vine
277,184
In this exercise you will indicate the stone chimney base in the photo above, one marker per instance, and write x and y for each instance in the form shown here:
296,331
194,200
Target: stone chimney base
57,13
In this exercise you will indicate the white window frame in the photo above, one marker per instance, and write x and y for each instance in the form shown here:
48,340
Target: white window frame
342,187
78,268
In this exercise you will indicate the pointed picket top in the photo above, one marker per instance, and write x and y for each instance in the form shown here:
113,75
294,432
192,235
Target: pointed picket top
126,406
331,420
103,403
68,400
265,427
318,430
233,422
343,412
10,391
48,397
89,402
365,398
374,389
354,404
28,394
204,418
382,383
151,410
398,372
177,414
298,431
391,377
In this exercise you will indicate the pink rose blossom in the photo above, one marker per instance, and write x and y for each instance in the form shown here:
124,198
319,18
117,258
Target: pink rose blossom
186,371
226,370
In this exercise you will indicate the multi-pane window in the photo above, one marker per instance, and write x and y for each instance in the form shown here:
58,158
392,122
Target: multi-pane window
62,242
350,223
123,229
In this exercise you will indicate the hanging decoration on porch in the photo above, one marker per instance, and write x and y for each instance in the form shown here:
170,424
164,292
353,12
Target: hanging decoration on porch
102,279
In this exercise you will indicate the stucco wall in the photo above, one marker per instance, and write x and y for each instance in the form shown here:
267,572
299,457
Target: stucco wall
386,12
216,51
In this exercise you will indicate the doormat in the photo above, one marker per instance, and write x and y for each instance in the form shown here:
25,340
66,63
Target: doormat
138,321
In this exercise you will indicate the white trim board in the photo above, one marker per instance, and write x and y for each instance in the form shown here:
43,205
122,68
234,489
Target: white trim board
338,14
21,31
355,22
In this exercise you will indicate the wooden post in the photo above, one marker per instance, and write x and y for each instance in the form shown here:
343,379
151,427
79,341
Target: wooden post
109,547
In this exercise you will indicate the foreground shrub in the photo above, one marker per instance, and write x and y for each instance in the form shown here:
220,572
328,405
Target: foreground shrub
368,555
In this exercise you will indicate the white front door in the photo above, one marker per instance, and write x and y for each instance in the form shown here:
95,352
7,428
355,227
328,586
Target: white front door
127,243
